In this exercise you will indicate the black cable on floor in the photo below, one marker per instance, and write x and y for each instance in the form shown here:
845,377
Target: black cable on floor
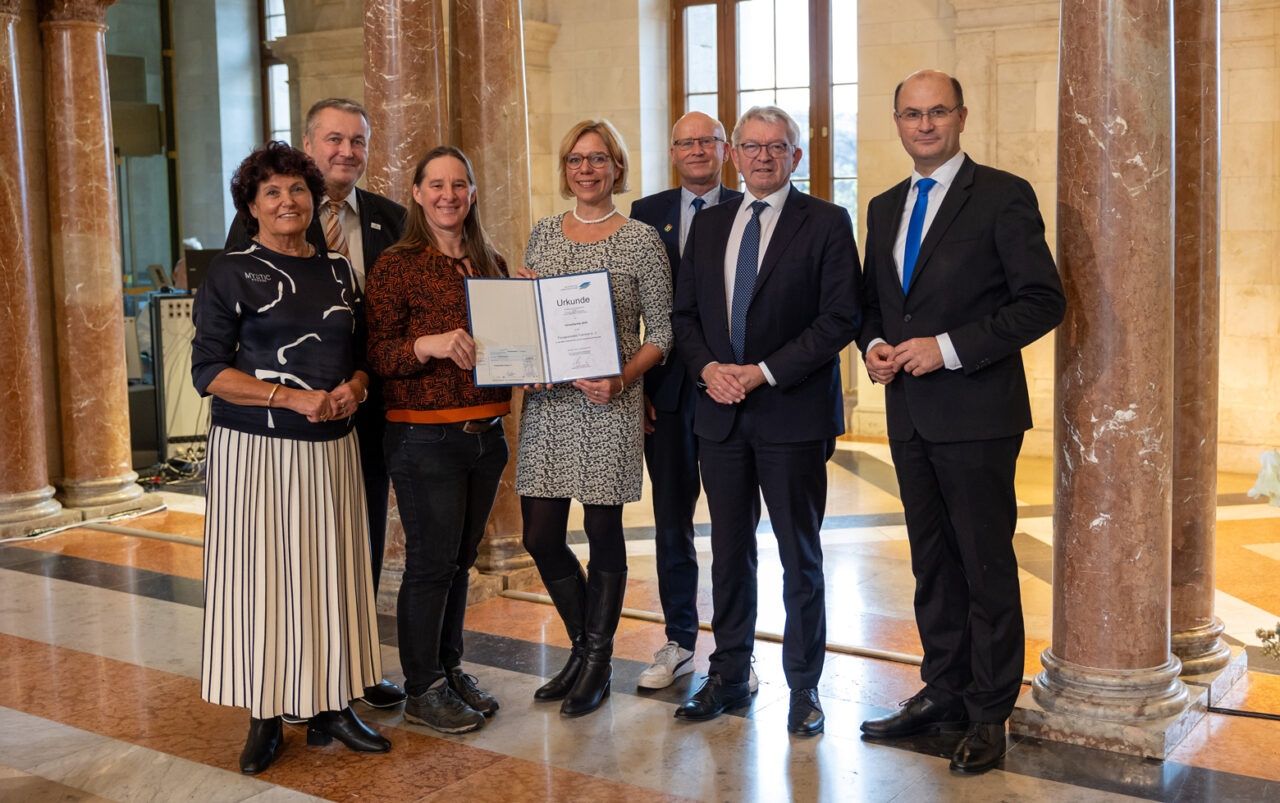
1236,712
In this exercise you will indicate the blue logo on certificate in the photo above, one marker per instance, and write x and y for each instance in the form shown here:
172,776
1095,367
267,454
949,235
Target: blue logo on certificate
584,285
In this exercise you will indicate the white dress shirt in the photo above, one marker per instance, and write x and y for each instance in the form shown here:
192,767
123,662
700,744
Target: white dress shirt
768,221
945,175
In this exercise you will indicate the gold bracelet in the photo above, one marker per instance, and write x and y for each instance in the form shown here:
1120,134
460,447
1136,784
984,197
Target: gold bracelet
272,395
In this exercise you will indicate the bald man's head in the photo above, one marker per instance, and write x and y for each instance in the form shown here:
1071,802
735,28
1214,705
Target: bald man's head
698,151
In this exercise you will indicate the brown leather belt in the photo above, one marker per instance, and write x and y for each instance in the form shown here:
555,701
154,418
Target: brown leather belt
477,426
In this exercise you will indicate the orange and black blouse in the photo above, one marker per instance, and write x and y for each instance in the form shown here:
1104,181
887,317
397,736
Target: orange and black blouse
408,295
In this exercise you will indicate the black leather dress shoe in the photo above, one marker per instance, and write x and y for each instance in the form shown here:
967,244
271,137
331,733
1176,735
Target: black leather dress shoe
981,748
347,728
713,698
383,695
917,715
805,717
265,739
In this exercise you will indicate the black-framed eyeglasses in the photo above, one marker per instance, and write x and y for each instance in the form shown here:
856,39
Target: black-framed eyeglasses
914,116
752,149
596,159
706,143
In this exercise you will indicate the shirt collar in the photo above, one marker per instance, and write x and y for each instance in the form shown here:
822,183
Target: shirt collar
711,196
944,174
774,200
350,201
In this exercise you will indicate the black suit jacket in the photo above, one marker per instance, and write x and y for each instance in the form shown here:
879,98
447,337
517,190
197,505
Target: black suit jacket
985,276
804,310
663,382
381,224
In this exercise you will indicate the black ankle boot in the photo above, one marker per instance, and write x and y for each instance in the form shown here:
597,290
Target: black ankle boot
570,597
604,606
265,740
347,728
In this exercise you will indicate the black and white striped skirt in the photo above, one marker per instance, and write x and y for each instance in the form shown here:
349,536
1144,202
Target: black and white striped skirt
289,619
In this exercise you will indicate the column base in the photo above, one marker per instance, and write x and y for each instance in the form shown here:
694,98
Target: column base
503,553
101,493
483,586
21,527
28,505
1219,682
1116,695
1153,738
1200,649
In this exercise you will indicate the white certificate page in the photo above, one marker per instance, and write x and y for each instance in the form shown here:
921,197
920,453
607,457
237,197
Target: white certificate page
577,324
504,324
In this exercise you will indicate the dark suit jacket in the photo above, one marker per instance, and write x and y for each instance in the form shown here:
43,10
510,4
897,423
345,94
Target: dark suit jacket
804,310
985,276
663,382
381,224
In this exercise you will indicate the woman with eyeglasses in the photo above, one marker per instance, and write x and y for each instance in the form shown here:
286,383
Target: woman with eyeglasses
585,440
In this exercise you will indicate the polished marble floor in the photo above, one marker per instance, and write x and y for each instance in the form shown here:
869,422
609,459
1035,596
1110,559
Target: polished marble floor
99,693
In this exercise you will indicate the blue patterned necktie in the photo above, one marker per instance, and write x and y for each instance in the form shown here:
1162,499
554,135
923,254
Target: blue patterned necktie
744,282
915,230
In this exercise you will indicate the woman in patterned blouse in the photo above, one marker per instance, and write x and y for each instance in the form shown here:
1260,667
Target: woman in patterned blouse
585,440
444,444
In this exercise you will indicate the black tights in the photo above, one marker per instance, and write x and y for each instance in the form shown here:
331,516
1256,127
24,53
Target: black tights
546,525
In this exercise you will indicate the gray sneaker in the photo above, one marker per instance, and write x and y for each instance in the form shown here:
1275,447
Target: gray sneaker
464,686
440,708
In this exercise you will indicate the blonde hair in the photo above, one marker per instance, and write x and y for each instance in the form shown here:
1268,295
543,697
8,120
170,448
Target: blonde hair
613,144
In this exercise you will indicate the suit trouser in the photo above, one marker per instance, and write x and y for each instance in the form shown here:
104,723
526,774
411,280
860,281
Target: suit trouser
671,455
961,510
793,480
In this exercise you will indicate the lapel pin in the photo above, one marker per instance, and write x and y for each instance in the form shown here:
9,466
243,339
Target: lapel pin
668,228
375,225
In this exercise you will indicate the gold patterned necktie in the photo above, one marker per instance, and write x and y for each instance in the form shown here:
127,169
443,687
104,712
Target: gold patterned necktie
333,236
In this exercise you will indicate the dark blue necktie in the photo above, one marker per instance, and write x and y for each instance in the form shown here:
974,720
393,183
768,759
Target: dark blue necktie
744,282
697,204
915,229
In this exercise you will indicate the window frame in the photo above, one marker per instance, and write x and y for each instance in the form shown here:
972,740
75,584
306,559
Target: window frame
821,157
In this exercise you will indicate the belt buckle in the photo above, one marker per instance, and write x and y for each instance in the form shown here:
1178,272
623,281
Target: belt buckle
477,427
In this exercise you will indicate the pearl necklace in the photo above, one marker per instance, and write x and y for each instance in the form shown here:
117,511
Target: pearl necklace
612,211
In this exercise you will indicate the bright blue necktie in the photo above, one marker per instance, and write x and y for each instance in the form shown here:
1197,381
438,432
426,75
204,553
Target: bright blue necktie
744,282
915,229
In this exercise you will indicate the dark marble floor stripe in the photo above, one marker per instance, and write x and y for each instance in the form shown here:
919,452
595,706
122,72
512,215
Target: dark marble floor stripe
142,582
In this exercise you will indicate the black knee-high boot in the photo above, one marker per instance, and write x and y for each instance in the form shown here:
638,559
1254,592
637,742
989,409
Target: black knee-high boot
570,597
604,607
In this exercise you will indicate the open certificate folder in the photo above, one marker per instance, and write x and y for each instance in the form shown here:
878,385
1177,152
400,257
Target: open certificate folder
554,329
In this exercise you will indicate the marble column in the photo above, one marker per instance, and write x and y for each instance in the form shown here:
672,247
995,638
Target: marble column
490,106
85,258
1109,658
1196,630
405,89
26,497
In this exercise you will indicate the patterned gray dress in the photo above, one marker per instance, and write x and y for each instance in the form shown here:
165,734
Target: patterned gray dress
569,447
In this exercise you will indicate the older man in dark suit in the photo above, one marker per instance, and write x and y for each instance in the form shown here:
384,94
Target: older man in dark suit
767,296
360,225
698,152
958,280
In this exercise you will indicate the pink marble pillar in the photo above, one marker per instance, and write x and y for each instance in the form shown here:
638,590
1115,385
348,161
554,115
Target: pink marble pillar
85,258
488,65
25,493
405,89
1196,630
1109,657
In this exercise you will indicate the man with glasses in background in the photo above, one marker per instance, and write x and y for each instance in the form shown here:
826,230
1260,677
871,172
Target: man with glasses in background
767,295
958,280
698,152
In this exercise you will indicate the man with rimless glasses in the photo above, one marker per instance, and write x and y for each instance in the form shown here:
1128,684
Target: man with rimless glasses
766,297
698,152
958,280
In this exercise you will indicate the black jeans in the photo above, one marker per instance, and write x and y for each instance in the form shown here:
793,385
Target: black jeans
445,481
